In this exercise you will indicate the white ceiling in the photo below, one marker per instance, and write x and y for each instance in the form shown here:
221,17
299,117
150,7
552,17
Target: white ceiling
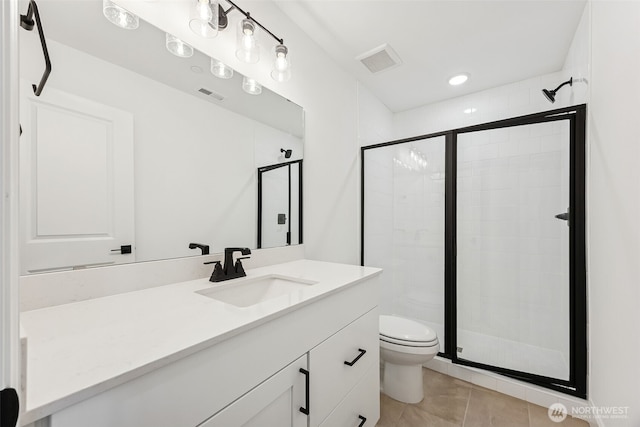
495,42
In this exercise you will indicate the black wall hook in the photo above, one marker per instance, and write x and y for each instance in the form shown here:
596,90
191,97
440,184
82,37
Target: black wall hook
26,22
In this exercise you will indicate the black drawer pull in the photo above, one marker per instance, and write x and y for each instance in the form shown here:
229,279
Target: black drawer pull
353,362
364,420
306,392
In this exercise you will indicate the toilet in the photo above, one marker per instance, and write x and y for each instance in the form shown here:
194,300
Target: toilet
404,346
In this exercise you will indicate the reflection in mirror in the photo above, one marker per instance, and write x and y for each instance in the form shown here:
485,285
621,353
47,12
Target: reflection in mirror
280,204
129,145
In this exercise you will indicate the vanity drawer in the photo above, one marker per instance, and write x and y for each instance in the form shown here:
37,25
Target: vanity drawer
339,362
361,407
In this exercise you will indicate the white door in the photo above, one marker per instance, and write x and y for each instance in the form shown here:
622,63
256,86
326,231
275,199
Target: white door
276,402
76,177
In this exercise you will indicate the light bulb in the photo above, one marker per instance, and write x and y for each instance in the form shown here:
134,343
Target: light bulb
119,16
247,46
204,18
251,86
220,69
178,47
203,9
281,66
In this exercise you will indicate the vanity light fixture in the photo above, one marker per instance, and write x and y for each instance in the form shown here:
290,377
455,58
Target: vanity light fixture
204,18
220,69
178,47
119,16
251,86
209,14
458,79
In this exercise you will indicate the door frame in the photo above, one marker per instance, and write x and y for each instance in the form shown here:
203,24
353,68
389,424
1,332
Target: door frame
9,202
577,383
264,169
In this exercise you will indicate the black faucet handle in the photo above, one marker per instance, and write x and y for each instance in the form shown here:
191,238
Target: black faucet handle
217,275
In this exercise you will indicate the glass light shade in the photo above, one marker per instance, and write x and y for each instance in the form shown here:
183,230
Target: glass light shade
220,69
251,86
119,16
204,18
281,65
178,47
247,49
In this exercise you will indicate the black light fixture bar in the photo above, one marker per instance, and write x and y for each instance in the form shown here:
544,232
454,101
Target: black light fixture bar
248,16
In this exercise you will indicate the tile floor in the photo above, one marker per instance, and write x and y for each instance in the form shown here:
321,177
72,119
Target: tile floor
450,402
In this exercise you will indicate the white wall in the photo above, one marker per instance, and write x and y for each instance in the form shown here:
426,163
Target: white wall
614,209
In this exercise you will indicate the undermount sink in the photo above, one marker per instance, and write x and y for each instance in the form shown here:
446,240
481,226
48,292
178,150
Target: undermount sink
251,291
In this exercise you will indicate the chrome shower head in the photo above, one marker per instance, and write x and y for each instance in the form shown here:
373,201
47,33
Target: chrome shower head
551,94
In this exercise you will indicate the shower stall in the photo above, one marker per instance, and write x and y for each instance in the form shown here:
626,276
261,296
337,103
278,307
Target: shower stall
481,235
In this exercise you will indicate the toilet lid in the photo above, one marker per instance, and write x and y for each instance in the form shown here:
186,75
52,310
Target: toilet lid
401,329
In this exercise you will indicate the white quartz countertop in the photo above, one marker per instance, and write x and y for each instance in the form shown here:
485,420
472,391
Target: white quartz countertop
77,350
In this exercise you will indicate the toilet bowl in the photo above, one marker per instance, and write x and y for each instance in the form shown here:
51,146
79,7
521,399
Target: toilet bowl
404,346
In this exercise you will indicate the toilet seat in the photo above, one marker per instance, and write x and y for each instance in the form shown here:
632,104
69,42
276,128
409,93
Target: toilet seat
406,332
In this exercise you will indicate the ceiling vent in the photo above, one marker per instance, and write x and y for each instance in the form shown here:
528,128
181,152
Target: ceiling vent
380,58
211,94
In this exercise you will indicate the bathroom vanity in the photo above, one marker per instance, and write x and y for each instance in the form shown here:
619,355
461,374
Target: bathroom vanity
304,353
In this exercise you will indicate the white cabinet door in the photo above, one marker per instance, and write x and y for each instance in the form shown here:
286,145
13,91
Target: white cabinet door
361,407
76,177
274,403
338,363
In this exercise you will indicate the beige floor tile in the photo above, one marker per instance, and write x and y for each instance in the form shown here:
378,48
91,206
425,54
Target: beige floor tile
413,416
539,417
444,396
488,408
390,411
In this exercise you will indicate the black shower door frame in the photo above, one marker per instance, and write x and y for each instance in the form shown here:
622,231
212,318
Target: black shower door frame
576,385
261,171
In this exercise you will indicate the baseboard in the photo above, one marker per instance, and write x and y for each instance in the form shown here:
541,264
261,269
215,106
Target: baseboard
518,389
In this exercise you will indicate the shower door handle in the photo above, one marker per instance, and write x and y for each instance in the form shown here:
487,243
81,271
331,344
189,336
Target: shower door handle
564,216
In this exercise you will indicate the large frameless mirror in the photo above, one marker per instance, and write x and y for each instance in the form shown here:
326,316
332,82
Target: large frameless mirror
132,153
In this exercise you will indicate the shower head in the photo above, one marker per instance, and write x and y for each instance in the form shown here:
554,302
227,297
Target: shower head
287,153
551,94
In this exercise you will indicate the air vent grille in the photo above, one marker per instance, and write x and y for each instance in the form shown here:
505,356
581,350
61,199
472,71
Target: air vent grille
379,59
211,94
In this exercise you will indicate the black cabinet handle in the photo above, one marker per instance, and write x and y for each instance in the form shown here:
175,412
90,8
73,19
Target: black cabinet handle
364,420
353,362
305,409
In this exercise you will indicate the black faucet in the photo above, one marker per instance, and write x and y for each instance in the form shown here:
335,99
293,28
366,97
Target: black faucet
203,248
230,270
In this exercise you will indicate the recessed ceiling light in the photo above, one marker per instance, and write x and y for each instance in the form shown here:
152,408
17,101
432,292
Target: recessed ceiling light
459,79
470,110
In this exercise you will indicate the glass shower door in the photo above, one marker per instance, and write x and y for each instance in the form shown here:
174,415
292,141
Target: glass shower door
512,248
404,227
